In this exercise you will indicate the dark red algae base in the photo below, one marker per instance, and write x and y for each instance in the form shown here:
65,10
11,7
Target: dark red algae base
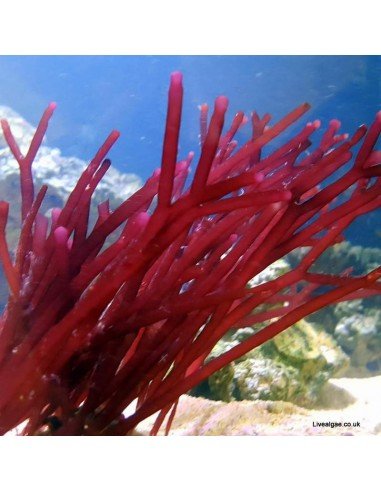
93,325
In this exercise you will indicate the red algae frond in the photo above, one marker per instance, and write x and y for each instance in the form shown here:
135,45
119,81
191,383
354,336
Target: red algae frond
94,323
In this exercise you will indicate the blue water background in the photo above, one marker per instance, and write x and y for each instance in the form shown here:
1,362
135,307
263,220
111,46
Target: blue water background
98,93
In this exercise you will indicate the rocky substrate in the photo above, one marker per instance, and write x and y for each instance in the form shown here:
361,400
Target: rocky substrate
344,400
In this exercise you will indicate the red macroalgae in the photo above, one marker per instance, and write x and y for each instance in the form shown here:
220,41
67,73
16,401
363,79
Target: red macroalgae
90,326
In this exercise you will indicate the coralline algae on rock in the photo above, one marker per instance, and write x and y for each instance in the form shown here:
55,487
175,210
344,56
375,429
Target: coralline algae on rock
360,337
292,367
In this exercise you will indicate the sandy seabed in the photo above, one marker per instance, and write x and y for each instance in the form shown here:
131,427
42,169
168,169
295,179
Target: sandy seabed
348,406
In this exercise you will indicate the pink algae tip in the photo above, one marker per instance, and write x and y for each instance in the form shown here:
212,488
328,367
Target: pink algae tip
336,124
221,103
61,234
315,124
176,78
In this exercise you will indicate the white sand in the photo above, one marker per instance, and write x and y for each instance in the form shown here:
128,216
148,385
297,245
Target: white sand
366,407
344,401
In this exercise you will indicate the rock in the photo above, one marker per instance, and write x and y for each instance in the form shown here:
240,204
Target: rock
293,367
222,383
355,324
265,379
340,257
273,271
359,336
